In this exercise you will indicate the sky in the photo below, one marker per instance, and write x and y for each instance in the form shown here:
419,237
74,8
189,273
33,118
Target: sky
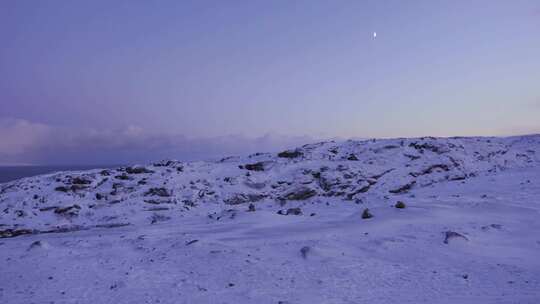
88,82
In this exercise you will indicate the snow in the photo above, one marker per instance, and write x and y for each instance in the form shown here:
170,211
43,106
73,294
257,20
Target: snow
175,232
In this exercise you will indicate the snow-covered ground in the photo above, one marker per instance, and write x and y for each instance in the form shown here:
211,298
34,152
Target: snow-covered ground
284,228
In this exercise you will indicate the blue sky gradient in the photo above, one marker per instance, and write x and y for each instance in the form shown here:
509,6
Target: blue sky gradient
291,69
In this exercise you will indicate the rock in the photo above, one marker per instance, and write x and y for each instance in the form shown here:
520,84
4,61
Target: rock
430,147
366,214
412,157
304,251
430,169
191,242
157,209
163,192
300,193
112,225
138,170
403,189
364,189
123,176
251,208
255,167
80,181
61,189
158,218
255,197
8,233
294,211
290,154
166,163
240,198
400,205
72,210
352,157
77,187
36,244
156,202
452,235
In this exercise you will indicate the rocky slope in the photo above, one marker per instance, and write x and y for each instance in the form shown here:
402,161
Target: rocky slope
368,173
425,220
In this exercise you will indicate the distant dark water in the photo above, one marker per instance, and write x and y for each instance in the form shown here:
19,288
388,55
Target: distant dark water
12,173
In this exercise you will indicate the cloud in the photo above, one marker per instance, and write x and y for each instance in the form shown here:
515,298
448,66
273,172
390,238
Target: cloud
30,142
20,135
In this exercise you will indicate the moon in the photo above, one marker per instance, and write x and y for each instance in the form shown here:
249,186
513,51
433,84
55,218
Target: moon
374,35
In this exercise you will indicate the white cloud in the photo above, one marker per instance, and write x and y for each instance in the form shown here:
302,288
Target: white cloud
29,142
18,135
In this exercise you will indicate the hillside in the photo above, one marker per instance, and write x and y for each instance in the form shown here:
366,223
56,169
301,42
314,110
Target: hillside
290,227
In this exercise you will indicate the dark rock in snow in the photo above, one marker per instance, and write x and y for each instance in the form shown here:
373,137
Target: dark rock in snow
304,251
430,170
300,193
72,210
400,205
61,189
191,242
157,202
403,189
80,181
352,157
163,192
123,176
294,211
255,167
290,154
159,218
366,214
241,198
35,244
427,146
448,235
8,233
138,170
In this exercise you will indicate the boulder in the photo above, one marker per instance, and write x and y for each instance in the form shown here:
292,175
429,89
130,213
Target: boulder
300,193
290,154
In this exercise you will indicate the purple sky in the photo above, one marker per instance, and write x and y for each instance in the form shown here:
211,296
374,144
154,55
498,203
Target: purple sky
91,82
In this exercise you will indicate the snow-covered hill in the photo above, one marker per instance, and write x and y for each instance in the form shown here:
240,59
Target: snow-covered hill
285,228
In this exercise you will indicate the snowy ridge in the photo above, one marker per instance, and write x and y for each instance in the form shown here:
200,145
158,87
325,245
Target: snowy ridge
362,172
425,220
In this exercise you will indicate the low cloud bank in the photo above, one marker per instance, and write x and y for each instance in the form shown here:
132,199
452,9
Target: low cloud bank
25,142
